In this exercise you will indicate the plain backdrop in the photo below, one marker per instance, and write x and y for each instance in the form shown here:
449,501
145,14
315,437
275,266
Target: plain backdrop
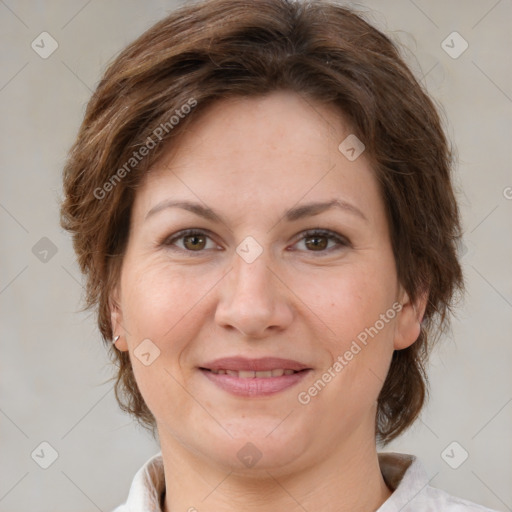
54,371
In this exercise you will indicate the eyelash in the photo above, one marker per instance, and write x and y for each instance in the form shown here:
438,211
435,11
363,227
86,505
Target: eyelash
330,235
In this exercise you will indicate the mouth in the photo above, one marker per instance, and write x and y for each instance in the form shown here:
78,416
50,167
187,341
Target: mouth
254,377
248,374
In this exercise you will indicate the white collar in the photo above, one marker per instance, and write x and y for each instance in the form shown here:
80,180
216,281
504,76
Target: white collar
403,473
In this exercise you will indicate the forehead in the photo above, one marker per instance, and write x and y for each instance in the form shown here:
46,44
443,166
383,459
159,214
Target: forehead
248,153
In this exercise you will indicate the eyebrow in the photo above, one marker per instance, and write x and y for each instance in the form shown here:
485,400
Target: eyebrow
293,214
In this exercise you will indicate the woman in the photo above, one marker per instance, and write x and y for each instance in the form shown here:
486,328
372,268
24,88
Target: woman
260,197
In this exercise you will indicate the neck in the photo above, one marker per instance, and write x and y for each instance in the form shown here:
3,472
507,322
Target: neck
346,480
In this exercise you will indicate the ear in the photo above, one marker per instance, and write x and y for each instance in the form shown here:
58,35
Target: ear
407,326
116,316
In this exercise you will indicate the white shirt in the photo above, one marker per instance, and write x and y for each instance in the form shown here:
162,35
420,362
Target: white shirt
403,474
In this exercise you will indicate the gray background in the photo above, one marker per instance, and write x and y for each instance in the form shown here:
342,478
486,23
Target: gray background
54,371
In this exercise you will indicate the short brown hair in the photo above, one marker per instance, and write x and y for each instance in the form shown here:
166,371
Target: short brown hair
327,53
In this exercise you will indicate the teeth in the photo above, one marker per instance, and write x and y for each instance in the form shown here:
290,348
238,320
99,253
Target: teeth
248,374
264,374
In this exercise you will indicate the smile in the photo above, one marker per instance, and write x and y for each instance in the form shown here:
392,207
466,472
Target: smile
254,384
247,374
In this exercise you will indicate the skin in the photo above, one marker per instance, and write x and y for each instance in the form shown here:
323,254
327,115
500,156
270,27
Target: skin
251,160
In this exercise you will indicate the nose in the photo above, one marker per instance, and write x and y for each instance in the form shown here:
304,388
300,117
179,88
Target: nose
254,299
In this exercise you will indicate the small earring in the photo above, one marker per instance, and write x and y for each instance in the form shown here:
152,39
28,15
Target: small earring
115,339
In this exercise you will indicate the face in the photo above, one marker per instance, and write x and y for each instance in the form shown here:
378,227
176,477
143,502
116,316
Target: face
266,278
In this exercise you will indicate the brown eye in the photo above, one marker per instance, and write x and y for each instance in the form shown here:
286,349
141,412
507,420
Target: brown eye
194,242
323,241
190,240
316,242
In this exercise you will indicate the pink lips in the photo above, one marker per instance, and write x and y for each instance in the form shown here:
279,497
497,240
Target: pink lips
262,364
254,386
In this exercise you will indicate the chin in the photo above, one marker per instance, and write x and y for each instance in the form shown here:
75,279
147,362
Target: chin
256,447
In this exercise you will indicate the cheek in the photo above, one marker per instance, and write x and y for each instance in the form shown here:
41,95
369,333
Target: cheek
357,341
356,333
161,305
349,301
159,300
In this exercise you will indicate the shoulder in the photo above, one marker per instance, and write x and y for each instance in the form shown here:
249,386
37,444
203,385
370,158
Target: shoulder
412,492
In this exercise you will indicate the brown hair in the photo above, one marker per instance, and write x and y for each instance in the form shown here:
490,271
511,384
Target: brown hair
222,48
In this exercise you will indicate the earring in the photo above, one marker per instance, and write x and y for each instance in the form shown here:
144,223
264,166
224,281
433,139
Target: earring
115,339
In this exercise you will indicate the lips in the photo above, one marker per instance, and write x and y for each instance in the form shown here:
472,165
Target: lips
264,364
254,377
249,374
